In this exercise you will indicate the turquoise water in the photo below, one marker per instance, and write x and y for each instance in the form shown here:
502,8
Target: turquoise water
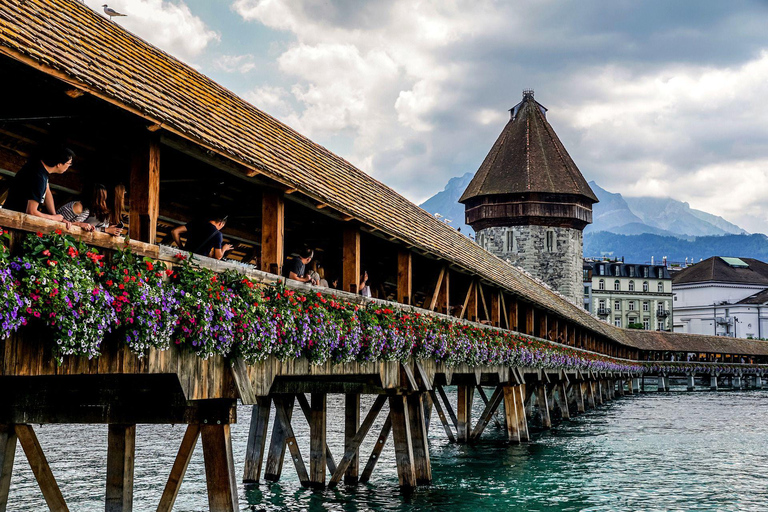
670,451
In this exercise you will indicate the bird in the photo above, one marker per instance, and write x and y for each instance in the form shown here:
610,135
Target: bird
110,11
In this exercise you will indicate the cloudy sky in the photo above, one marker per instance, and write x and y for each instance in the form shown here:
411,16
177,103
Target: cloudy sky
649,97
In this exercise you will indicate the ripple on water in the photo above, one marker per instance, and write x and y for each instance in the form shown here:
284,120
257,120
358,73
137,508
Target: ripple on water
667,451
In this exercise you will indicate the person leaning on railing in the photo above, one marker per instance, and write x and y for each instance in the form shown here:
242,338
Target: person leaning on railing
297,268
30,189
91,212
204,236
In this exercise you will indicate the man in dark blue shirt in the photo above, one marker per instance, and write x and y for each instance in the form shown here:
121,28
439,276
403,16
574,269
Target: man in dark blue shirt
30,187
203,236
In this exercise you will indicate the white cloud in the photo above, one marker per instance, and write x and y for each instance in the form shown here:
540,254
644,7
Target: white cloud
235,63
169,25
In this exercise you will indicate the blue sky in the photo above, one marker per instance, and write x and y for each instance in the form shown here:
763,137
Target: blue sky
650,98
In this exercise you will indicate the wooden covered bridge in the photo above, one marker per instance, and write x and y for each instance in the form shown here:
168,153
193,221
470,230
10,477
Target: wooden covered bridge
181,142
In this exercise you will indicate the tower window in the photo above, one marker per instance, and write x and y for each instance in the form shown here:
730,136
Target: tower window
510,242
550,241
481,240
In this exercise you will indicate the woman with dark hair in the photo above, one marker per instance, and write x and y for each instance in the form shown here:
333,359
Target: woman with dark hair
90,211
118,205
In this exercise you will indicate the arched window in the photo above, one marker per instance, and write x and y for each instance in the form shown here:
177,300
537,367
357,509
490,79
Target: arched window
645,286
601,284
661,287
617,285
631,286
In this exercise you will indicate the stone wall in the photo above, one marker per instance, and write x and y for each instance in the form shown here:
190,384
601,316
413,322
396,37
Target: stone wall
559,263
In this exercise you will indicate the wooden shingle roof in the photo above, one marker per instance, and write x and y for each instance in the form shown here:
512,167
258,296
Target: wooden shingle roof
66,39
684,342
528,157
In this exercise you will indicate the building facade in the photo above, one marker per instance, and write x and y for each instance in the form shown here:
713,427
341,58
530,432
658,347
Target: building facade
722,296
528,202
629,295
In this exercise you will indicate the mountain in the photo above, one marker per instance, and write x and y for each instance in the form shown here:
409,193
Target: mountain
446,203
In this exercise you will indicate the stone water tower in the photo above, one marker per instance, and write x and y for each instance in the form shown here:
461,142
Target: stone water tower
528,203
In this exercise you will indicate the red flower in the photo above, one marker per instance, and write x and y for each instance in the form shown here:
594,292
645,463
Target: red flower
39,234
58,231
121,286
110,283
181,257
46,252
150,266
169,271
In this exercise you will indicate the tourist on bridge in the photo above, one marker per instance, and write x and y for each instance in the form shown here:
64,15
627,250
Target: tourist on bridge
365,288
297,268
30,188
204,237
91,212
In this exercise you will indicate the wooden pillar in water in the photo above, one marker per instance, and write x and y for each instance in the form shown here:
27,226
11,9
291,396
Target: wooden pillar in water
691,382
351,260
219,468
404,277
510,413
597,389
121,448
418,426
7,455
401,434
543,405
563,400
351,424
257,437
630,386
144,191
272,231
713,382
464,412
522,421
317,440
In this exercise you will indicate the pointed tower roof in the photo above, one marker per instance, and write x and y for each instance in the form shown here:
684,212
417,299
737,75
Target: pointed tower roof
528,157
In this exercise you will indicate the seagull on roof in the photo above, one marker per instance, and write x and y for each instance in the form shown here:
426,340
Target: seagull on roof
110,11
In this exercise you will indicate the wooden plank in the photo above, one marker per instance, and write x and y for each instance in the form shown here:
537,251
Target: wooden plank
257,439
219,468
351,260
7,455
121,449
272,231
306,410
281,408
514,309
510,413
317,440
521,419
243,382
504,311
179,468
472,303
41,469
529,320
463,313
421,464
377,449
464,412
482,298
543,405
438,287
404,277
441,415
490,409
495,307
145,191
444,295
276,453
352,447
401,434
448,407
351,424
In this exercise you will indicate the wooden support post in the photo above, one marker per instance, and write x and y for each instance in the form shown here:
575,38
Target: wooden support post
276,454
441,414
522,421
543,329
421,463
444,294
510,413
529,325
589,388
631,386
351,260
7,455
597,389
306,410
219,468
377,449
257,438
431,303
464,412
351,424
495,308
552,333
572,335
272,231
490,409
513,314
145,191
179,468
404,277
448,408
578,391
317,425
42,471
563,401
470,303
486,312
121,448
543,405
401,433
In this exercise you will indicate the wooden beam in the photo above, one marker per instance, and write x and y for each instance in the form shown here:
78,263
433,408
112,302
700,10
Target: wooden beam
351,424
351,260
521,419
444,296
306,409
448,407
281,408
433,302
514,309
7,455
482,298
529,320
322,205
272,231
121,449
145,191
464,412
488,412
41,469
421,463
401,433
257,438
543,328
543,404
179,468
495,307
219,468
276,453
317,440
504,311
510,413
377,449
353,446
441,415
404,277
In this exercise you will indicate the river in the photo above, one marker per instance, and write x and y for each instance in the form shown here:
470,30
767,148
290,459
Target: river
702,451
